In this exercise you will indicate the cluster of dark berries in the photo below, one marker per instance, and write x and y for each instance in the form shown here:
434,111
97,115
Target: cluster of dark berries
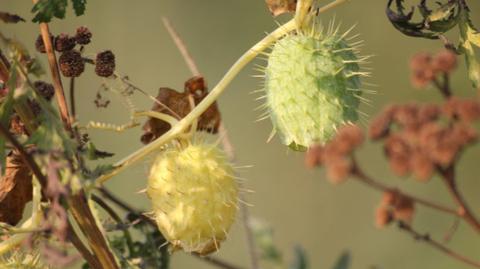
425,67
71,62
336,155
394,206
422,138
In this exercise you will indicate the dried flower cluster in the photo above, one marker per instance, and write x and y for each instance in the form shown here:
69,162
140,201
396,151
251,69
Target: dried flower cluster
394,206
335,155
419,138
425,67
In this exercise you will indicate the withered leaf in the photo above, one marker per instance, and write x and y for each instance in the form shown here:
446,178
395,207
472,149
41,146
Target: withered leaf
177,104
279,7
10,18
15,189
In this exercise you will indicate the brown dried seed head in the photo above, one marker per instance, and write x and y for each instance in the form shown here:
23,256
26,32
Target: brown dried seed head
338,169
422,166
64,42
313,156
422,70
468,110
445,61
105,63
407,115
45,89
39,45
83,35
428,113
389,198
404,209
71,63
383,217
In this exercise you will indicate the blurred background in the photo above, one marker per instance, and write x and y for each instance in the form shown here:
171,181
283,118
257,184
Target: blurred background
302,207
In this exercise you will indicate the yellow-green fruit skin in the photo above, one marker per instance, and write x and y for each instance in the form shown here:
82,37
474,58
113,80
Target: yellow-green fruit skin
312,86
194,196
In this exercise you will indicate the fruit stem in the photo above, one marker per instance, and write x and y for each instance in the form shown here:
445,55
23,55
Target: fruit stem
183,124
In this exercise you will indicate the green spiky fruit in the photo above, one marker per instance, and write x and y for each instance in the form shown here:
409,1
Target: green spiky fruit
312,84
194,196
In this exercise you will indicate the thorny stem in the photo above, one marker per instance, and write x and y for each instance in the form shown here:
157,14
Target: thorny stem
226,143
437,245
78,244
358,174
86,221
117,219
448,177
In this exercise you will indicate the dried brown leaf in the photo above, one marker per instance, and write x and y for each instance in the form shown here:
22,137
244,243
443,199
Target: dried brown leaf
15,189
10,18
177,104
279,7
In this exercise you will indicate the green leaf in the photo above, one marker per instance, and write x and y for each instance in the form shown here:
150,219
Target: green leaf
343,261
79,6
47,9
469,36
300,260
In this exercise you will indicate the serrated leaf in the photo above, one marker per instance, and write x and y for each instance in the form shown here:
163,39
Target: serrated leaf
469,36
47,9
300,259
443,12
433,23
343,261
79,6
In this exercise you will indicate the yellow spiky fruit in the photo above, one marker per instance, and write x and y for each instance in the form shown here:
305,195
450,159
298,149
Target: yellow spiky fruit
194,196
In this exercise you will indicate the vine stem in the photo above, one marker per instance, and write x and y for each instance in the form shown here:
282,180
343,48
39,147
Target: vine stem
437,245
183,124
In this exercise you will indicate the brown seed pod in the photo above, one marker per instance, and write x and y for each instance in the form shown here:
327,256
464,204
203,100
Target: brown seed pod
105,63
64,42
39,45
71,63
83,35
45,89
